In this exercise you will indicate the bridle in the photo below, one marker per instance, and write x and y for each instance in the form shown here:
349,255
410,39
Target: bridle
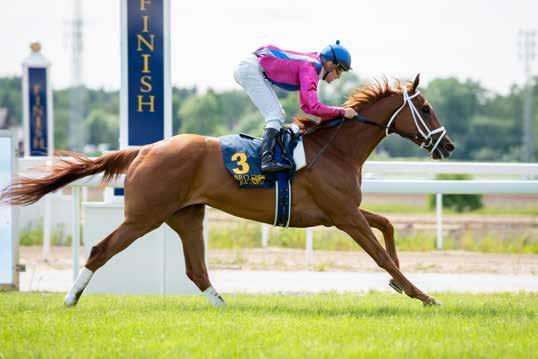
425,138
425,134
420,124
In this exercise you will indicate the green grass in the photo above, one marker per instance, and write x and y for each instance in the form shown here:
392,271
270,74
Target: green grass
33,236
246,234
497,211
270,326
399,208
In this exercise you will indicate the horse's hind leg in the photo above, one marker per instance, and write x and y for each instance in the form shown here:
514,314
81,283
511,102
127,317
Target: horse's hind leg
387,229
189,225
114,243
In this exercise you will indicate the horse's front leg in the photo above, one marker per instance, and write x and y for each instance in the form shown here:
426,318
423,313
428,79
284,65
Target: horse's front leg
355,224
387,229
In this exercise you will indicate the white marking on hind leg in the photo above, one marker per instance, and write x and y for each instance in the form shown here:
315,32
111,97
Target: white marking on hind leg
71,298
214,297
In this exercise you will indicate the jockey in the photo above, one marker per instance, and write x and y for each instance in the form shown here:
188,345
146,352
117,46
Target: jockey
291,71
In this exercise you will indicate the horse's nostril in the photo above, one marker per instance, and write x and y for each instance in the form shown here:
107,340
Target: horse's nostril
449,147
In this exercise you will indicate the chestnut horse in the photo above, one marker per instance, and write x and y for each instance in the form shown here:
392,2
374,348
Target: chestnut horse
172,181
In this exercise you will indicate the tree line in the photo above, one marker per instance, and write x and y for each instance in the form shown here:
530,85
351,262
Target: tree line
484,125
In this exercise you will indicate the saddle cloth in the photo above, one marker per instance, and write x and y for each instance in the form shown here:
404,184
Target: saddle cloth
242,159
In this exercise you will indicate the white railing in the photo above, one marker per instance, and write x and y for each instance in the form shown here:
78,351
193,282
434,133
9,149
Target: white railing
432,168
449,186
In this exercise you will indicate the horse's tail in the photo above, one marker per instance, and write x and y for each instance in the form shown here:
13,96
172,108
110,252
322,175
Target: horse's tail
26,190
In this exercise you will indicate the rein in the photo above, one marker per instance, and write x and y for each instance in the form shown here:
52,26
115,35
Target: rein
423,129
408,135
311,164
337,122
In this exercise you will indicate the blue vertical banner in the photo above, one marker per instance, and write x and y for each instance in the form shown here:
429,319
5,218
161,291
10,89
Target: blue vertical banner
38,102
146,70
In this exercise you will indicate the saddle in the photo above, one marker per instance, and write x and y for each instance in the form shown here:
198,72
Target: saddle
242,158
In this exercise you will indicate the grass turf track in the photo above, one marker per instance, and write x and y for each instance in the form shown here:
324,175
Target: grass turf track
276,326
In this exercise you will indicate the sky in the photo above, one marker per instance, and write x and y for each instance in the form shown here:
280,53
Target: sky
474,39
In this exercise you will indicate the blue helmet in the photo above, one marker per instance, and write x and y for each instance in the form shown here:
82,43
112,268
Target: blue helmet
338,54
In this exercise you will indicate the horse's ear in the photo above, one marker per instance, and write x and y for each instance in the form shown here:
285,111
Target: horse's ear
415,83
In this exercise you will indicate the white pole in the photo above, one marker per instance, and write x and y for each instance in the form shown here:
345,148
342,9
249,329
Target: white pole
75,245
26,109
124,98
33,62
46,227
85,194
47,219
439,215
206,233
309,247
163,259
265,235
167,70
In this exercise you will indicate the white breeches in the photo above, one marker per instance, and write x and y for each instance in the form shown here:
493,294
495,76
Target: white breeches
248,73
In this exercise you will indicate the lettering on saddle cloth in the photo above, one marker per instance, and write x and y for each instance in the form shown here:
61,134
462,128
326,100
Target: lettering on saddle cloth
242,159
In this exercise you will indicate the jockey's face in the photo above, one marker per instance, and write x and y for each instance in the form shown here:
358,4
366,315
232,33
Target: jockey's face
333,72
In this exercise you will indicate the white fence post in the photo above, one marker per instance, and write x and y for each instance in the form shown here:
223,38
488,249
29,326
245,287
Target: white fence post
46,226
47,222
163,263
439,215
309,247
206,233
265,235
75,244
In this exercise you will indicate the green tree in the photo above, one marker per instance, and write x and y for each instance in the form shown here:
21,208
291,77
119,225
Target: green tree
11,98
102,127
457,202
103,100
251,123
200,115
496,139
231,107
336,93
61,119
179,95
290,105
455,104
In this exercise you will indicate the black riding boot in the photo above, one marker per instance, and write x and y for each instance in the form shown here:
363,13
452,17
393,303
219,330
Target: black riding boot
268,150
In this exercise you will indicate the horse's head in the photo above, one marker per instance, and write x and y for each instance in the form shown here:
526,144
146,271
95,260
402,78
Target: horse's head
416,120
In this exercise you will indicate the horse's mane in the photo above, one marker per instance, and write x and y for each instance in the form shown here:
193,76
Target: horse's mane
359,98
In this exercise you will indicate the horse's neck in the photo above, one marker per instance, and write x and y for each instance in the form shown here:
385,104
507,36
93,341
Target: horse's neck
357,141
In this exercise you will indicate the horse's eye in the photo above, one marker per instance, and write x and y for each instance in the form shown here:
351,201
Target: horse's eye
426,109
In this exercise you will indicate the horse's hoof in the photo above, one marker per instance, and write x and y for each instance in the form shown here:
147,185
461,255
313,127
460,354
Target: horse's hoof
395,286
71,299
431,302
68,302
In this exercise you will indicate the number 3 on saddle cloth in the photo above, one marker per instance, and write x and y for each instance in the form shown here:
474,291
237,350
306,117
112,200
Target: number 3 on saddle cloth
242,159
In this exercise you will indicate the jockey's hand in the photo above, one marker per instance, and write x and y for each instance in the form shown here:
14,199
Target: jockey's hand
349,112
